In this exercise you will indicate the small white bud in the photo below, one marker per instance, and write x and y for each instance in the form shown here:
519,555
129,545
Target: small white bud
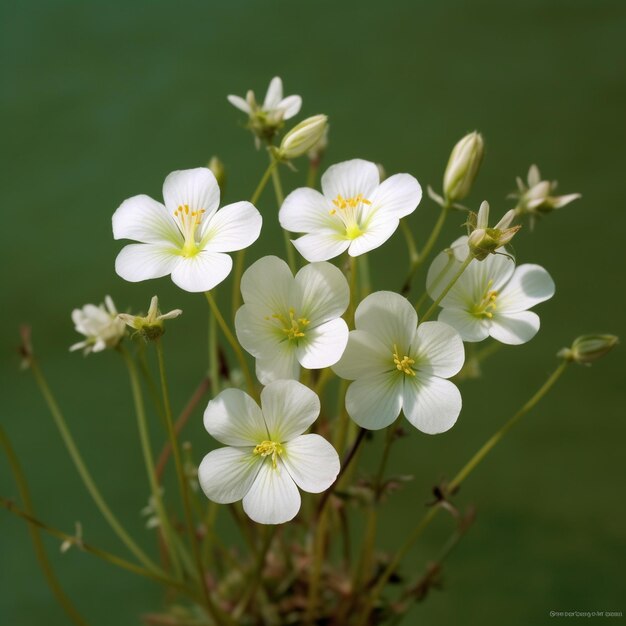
462,167
589,348
302,137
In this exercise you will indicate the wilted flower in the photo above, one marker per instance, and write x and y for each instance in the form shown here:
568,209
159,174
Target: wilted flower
491,297
462,167
536,198
265,120
354,212
151,325
100,325
188,237
302,138
483,240
289,322
589,348
267,457
397,365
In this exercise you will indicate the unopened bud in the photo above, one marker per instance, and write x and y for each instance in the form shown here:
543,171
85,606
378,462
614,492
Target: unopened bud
589,348
463,167
483,240
302,137
217,167
150,326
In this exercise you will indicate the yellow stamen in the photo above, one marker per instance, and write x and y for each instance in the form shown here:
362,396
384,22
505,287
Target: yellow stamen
349,210
269,448
403,364
487,306
293,326
188,222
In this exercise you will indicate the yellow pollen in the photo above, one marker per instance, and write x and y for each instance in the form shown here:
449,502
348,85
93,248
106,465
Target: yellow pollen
188,222
293,326
349,211
403,364
487,306
269,448
343,203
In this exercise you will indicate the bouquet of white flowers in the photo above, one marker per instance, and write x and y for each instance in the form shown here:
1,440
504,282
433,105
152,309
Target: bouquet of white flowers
335,358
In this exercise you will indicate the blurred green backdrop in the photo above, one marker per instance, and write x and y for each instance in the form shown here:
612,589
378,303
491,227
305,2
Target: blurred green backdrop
101,100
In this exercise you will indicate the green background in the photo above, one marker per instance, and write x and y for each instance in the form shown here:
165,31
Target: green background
100,101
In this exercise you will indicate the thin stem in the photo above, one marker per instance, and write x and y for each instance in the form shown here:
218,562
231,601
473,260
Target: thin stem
353,287
146,447
97,552
84,473
241,254
213,356
232,341
410,242
311,177
183,484
280,198
426,250
449,286
454,485
364,273
40,551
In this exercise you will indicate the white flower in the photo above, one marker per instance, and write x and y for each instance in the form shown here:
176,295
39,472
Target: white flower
100,325
397,365
355,212
491,297
289,322
267,455
187,237
265,120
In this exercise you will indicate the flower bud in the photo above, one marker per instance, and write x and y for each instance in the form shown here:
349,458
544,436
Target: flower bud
589,348
483,240
302,137
463,167
151,326
217,167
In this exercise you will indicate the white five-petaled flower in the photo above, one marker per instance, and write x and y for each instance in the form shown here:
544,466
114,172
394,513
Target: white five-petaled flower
289,322
397,365
354,212
187,237
267,457
273,112
100,325
491,297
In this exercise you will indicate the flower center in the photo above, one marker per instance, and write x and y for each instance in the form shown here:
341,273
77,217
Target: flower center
403,364
188,222
487,306
269,448
349,211
293,326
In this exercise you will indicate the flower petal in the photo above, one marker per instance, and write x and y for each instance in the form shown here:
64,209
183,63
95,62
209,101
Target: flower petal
281,365
240,103
258,335
470,327
323,345
289,408
376,233
202,271
324,292
514,328
529,285
143,219
290,106
374,402
226,474
431,404
306,210
445,265
233,227
312,462
274,94
267,284
438,349
396,196
389,317
321,246
364,355
235,419
142,261
273,497
350,178
197,188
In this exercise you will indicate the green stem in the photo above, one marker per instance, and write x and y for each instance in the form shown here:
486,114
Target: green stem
83,472
232,341
146,447
353,289
183,484
311,177
214,372
454,485
280,198
364,273
40,551
449,286
426,250
410,243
